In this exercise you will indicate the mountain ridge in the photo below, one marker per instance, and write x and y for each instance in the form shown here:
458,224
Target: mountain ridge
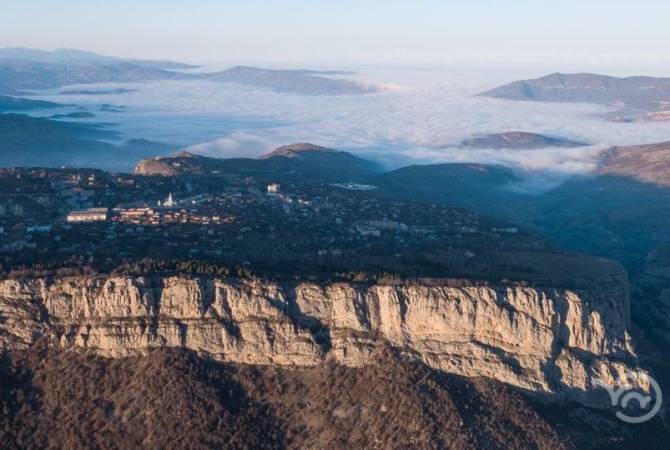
78,57
637,92
295,160
18,74
519,140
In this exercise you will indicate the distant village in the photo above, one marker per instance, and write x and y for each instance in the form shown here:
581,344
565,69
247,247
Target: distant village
92,215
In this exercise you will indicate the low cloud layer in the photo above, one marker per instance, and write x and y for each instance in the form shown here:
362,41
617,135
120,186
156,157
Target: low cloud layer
239,144
420,118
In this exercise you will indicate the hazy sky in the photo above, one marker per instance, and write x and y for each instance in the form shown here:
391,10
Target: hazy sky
621,35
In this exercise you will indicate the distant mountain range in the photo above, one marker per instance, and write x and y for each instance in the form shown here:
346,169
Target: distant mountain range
80,57
74,115
31,141
18,74
117,91
11,103
304,161
519,140
460,182
647,94
305,82
26,69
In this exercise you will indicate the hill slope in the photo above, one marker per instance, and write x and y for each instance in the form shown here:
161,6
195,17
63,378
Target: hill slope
173,398
459,184
30,141
646,163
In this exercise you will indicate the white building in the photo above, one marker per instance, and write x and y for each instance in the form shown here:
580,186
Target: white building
88,215
130,213
273,188
170,201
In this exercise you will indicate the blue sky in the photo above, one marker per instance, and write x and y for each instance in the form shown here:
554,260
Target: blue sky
565,35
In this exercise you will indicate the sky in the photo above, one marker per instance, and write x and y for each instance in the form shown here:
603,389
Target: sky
612,35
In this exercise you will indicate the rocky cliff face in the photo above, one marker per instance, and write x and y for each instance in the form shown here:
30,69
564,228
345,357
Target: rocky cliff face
543,340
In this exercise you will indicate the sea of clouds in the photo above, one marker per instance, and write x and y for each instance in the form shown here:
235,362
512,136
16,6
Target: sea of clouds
419,118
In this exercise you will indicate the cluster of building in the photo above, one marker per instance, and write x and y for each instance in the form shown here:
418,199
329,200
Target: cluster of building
168,212
166,216
230,221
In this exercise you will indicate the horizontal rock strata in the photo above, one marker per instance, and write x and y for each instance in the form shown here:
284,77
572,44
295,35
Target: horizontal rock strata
544,340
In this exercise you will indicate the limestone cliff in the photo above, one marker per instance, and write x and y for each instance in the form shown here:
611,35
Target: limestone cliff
544,340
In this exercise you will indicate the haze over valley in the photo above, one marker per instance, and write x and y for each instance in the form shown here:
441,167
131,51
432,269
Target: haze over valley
232,120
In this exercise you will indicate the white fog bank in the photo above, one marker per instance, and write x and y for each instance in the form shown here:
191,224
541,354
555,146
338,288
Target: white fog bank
420,117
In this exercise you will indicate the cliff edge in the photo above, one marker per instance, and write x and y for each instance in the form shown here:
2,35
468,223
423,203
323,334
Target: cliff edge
544,340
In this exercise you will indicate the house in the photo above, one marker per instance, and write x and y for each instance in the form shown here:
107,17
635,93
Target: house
88,215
